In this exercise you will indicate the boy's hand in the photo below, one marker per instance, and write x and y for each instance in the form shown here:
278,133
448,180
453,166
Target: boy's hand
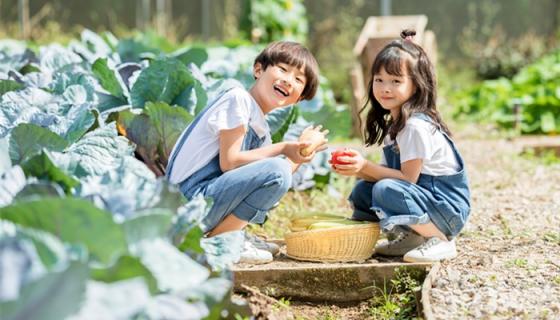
316,138
350,163
292,151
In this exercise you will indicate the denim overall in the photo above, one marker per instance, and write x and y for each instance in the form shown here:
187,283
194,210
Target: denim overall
248,191
442,200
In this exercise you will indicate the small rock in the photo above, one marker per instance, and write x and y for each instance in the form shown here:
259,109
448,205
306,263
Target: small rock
453,275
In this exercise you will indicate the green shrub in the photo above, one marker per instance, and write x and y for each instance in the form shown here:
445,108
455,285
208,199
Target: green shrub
535,89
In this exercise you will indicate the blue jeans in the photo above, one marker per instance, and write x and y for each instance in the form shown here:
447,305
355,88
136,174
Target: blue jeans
394,202
247,192
442,200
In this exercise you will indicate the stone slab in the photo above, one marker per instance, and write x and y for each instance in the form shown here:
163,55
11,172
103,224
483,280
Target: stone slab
322,282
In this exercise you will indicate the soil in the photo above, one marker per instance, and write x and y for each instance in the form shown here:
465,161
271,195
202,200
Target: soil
509,253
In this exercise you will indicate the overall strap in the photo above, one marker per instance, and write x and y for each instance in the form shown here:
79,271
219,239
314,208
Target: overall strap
185,135
449,140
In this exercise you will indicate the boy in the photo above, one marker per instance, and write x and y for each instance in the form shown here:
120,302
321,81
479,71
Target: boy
226,153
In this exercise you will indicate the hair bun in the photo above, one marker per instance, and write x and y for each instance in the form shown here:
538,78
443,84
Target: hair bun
408,34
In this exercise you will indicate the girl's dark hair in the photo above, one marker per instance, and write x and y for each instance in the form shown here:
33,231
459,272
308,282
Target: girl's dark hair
293,54
421,71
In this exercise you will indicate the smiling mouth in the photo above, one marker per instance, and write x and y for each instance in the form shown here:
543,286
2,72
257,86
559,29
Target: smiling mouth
281,91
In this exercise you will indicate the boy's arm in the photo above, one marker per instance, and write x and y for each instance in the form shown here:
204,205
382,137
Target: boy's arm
295,166
232,157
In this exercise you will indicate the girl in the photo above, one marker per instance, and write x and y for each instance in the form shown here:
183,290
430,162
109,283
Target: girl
420,188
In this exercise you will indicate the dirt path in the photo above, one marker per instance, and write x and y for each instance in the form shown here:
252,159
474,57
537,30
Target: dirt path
509,253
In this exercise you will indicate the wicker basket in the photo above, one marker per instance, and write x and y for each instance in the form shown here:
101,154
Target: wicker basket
339,244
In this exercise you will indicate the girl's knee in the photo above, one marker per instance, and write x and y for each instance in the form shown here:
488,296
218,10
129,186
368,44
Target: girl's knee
360,197
387,191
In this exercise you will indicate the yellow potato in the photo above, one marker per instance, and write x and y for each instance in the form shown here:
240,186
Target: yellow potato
315,136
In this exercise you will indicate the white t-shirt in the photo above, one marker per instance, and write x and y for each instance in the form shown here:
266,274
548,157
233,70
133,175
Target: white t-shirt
419,139
236,107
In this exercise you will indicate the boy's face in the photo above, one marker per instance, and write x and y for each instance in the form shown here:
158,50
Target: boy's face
278,86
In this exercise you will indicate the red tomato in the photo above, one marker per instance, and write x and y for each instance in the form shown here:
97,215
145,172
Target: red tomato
339,153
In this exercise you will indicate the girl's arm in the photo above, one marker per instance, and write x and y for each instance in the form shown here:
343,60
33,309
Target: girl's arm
232,157
358,166
410,171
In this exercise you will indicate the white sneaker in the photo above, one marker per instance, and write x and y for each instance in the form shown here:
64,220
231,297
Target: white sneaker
403,243
432,250
253,255
261,244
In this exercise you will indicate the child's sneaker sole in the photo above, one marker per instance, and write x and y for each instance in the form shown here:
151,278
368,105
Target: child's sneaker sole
412,258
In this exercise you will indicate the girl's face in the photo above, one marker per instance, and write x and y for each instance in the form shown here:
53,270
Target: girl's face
278,86
392,91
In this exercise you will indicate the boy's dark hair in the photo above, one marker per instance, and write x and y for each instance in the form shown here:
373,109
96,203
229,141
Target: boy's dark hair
293,54
422,74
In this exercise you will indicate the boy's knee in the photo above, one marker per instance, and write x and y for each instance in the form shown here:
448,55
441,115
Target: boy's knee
281,171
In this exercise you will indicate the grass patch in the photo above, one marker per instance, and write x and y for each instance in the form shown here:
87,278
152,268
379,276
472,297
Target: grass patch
520,263
329,200
546,157
400,301
553,237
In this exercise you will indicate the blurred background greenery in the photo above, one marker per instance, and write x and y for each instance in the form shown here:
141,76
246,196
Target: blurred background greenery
477,40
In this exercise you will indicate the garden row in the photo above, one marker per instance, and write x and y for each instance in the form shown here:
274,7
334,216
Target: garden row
85,133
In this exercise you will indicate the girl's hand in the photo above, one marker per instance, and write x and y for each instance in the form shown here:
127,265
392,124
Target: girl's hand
292,151
350,163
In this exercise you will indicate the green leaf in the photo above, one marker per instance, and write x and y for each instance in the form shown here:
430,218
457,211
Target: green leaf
119,300
28,140
168,122
107,103
107,78
169,197
96,152
187,218
81,119
95,43
175,272
279,121
52,297
191,242
5,162
152,225
54,57
139,130
194,55
9,85
42,167
39,189
64,80
162,81
131,50
50,249
192,98
29,68
548,124
126,267
75,94
11,183
73,221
